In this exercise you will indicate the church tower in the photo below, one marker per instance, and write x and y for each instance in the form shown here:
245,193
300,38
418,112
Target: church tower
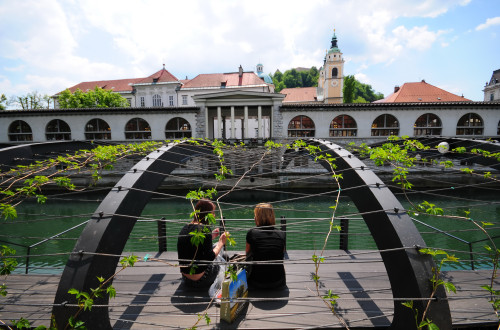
331,76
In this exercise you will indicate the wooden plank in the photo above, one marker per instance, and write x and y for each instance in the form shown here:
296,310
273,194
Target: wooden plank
151,295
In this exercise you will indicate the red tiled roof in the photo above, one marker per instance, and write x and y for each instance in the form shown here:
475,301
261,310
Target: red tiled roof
231,80
161,76
120,85
421,92
304,94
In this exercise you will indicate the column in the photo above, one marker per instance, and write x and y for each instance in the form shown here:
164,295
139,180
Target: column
245,136
206,122
232,123
219,119
259,121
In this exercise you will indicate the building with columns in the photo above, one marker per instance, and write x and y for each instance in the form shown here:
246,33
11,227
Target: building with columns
242,106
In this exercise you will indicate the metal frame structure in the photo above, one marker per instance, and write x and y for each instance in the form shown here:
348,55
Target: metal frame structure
110,226
108,230
396,237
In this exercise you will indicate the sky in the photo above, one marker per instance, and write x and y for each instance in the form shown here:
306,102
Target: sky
49,45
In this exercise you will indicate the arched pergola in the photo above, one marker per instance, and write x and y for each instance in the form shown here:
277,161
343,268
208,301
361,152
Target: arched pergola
108,230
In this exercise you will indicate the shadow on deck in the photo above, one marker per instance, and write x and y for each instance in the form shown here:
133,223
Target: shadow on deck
151,295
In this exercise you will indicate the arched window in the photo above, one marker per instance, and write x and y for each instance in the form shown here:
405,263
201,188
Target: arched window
470,124
343,125
137,129
157,100
177,128
335,72
385,125
97,129
19,130
301,126
427,124
57,130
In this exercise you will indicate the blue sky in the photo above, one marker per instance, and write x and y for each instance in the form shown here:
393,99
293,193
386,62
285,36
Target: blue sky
49,45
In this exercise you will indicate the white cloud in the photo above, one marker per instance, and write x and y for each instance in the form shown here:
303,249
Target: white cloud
489,22
57,44
419,37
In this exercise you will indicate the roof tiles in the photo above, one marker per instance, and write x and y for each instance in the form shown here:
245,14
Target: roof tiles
421,92
304,94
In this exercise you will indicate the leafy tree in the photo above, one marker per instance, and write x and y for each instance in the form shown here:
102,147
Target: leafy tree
32,100
3,102
349,85
96,98
357,92
293,78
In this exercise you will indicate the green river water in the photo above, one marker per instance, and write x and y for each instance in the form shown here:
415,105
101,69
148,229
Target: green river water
306,212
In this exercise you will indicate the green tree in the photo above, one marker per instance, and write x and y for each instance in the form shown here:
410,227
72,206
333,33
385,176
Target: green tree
3,102
33,100
96,98
349,85
357,92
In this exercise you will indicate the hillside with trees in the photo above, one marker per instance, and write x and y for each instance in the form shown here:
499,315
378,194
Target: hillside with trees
354,91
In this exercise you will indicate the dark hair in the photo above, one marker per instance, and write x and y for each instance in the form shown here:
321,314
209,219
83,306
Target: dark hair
204,206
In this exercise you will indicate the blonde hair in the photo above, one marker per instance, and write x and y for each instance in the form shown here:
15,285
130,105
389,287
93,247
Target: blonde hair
264,215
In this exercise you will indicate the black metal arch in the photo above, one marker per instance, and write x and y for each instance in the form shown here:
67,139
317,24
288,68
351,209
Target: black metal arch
409,271
108,231
109,228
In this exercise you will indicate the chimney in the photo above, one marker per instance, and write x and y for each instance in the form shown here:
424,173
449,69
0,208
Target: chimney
241,70
396,89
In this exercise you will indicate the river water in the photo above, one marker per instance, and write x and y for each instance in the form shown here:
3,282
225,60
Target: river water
307,213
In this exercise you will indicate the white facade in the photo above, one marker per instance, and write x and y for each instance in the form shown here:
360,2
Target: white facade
492,88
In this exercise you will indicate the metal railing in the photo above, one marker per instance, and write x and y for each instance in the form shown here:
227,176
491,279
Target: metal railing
29,247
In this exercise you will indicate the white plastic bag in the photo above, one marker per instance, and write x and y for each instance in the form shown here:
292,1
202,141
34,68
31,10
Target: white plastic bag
216,286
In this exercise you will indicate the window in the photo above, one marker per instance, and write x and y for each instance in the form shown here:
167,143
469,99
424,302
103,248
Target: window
157,100
385,125
137,129
470,124
19,130
143,103
129,100
498,129
223,84
301,126
492,97
427,124
97,129
343,125
177,128
57,130
171,100
184,99
335,72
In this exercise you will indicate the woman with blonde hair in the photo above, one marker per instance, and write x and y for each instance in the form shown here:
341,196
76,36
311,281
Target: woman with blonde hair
266,247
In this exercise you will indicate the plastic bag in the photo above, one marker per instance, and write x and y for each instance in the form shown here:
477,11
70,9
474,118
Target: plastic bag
216,286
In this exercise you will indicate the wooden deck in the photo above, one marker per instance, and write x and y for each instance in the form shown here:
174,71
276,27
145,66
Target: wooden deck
150,295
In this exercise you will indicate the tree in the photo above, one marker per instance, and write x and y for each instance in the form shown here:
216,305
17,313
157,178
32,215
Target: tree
349,84
96,98
3,102
357,92
32,100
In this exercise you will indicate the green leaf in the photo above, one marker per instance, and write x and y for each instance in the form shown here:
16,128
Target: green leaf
450,287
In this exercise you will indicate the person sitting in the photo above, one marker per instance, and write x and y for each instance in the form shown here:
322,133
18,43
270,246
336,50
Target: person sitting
265,243
195,261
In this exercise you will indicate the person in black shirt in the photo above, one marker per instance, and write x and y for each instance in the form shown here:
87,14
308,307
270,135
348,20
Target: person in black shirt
265,243
194,261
